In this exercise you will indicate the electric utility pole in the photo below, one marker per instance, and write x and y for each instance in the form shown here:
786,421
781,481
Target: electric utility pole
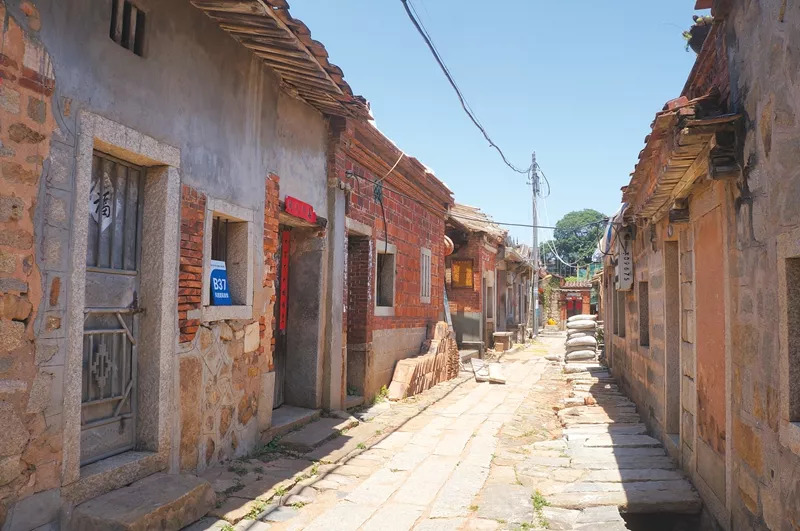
534,305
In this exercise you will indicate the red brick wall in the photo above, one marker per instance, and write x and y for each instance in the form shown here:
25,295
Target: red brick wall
271,209
410,226
31,442
359,274
190,280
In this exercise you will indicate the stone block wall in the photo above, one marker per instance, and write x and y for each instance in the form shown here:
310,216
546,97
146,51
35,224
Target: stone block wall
35,206
223,364
765,87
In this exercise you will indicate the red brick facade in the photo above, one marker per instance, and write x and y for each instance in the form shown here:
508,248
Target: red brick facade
271,209
190,280
360,154
358,297
483,260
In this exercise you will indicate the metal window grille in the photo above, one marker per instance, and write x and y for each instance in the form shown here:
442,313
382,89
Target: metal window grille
425,275
219,239
114,214
127,26
462,272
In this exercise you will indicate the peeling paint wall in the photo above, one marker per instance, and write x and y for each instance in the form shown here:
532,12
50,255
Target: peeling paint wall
194,88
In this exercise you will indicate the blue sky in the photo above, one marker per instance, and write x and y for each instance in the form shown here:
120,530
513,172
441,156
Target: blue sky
579,84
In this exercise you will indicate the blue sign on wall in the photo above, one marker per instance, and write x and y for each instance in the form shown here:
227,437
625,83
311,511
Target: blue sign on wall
220,296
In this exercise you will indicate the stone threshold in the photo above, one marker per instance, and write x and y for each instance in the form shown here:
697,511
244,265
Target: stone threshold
113,473
289,418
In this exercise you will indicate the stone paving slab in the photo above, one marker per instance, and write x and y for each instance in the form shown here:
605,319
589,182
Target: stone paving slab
622,441
511,503
393,517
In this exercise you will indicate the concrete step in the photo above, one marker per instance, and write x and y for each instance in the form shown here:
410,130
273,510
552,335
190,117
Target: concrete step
289,418
161,501
312,435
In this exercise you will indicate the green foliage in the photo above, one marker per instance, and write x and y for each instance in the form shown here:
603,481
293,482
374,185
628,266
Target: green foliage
575,239
256,510
539,503
381,396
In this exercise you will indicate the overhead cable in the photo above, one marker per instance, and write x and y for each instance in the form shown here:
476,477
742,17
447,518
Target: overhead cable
453,84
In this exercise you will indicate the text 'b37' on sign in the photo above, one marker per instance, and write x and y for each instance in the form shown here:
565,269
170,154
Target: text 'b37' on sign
220,295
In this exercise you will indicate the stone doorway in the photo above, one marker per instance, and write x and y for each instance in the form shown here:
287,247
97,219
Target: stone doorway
299,312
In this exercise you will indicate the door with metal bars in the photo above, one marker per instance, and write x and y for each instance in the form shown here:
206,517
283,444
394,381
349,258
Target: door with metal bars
110,328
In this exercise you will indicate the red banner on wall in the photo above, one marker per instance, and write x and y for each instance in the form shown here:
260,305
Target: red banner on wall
299,209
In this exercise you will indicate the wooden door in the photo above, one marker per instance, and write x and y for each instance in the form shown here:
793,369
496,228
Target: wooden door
110,327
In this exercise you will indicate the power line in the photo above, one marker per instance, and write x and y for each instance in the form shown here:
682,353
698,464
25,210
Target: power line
453,84
468,218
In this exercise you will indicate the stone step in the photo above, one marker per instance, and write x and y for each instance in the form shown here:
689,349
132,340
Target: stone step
312,435
640,497
289,418
161,501
622,441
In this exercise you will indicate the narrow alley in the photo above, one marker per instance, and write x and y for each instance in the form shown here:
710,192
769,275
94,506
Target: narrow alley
467,455
355,266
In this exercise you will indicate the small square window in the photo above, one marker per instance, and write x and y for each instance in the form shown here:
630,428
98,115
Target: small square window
461,272
228,242
127,26
425,275
229,246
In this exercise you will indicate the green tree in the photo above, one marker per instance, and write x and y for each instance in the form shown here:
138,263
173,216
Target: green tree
576,235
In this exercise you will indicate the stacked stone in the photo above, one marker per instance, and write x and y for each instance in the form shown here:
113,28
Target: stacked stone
581,339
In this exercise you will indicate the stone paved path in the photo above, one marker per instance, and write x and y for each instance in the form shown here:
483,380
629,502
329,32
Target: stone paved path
464,456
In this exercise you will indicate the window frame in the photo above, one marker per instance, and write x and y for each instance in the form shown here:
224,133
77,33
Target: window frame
382,248
236,214
789,432
425,275
470,277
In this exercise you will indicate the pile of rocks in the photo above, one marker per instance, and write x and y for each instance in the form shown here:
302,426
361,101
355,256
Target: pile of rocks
581,338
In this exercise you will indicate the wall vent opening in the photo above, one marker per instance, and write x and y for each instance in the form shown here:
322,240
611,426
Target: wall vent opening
127,26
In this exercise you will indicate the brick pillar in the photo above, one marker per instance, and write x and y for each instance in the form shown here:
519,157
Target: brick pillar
190,280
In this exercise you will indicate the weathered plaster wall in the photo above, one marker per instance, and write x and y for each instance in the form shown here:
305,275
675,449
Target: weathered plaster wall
299,153
765,86
196,89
